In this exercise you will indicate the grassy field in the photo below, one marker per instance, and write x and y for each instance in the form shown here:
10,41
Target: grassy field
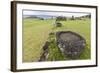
36,33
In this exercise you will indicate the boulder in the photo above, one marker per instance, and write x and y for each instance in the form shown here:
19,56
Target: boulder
58,24
70,43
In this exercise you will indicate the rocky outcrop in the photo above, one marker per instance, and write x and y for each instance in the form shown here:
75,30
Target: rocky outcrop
70,43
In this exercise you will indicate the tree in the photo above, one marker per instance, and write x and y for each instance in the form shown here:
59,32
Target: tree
72,18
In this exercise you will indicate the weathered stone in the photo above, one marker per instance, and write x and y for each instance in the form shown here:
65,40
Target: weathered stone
58,24
70,43
45,53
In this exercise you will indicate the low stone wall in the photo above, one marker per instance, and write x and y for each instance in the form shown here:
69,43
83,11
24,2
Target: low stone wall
70,44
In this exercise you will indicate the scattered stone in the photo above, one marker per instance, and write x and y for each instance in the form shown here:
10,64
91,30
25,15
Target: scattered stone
44,55
45,47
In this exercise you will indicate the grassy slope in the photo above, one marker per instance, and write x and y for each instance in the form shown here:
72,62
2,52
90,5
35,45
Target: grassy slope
35,33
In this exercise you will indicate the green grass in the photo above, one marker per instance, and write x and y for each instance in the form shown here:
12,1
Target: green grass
36,32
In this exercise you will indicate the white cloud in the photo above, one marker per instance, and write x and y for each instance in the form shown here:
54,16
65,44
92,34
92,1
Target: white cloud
54,13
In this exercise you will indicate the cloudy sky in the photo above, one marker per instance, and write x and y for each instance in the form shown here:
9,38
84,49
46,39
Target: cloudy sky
52,13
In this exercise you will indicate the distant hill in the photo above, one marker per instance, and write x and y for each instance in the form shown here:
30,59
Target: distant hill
38,16
52,17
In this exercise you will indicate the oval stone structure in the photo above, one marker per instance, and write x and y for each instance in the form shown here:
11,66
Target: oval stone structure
70,43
